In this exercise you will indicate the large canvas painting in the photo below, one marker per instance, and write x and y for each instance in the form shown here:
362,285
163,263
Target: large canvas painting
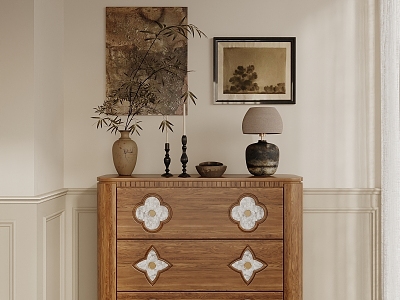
136,63
254,70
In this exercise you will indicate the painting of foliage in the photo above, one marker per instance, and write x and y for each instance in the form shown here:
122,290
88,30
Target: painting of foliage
254,70
133,59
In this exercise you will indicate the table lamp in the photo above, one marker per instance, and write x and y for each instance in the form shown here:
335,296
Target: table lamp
262,158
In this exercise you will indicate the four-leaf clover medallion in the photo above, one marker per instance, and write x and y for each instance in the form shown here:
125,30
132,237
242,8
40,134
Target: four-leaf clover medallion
248,213
152,213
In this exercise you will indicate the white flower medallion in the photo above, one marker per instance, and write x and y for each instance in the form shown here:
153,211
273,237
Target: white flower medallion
248,265
248,213
152,265
152,213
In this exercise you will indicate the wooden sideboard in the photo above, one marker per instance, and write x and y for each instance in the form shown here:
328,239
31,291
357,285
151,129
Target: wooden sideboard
235,237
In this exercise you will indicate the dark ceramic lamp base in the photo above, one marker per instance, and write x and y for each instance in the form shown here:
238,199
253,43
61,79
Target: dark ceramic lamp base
262,158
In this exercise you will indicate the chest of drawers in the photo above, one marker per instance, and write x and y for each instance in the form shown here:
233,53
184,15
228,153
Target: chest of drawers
236,237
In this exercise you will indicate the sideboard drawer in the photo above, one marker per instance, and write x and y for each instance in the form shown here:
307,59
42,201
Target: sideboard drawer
200,213
200,265
201,296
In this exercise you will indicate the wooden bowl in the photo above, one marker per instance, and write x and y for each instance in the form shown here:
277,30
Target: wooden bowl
211,169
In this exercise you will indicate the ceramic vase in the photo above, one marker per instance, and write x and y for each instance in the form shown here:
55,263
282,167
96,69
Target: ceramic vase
124,152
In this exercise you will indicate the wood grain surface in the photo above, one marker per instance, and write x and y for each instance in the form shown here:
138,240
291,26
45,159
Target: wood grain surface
293,250
200,240
200,265
106,241
200,213
200,296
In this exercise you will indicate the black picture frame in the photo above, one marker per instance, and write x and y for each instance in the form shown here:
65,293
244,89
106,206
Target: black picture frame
254,70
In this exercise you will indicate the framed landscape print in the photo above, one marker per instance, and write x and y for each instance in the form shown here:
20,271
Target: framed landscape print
251,70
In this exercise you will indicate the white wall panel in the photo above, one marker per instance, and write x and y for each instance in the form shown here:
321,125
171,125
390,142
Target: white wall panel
85,253
7,256
18,251
51,248
54,256
341,245
81,244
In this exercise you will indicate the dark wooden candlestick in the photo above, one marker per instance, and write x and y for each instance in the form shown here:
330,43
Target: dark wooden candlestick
184,157
167,162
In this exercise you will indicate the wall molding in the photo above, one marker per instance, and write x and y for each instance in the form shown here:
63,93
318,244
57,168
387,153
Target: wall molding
76,212
375,245
61,216
34,199
93,191
10,225
342,191
358,204
81,191
353,201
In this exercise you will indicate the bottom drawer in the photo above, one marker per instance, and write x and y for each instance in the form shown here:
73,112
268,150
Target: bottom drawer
200,296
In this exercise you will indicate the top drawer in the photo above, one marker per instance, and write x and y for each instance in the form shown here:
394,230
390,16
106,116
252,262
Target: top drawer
199,213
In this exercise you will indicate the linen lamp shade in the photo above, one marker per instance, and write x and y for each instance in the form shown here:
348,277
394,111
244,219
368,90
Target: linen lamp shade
259,120
262,158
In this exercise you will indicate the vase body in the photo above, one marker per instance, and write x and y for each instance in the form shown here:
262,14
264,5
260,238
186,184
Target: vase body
124,152
262,158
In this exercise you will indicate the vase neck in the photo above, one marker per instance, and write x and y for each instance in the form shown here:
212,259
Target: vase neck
124,134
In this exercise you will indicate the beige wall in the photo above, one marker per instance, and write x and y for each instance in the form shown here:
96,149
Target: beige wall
52,75
31,85
329,135
16,98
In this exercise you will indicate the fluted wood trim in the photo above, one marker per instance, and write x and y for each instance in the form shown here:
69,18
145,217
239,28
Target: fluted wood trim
200,184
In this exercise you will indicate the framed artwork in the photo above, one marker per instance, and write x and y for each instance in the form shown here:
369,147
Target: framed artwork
254,70
135,62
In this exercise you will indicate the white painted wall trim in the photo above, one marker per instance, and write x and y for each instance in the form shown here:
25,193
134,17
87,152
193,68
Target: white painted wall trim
76,212
347,191
93,191
10,225
350,218
34,199
346,204
88,191
60,215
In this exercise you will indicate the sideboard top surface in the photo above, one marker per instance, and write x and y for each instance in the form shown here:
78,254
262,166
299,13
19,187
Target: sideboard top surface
198,178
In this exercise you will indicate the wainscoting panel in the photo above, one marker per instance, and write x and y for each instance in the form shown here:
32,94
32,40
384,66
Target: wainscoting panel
54,239
7,268
341,245
85,253
82,244
51,216
54,256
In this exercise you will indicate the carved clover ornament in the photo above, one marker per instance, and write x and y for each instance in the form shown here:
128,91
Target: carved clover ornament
152,213
248,265
248,213
152,265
